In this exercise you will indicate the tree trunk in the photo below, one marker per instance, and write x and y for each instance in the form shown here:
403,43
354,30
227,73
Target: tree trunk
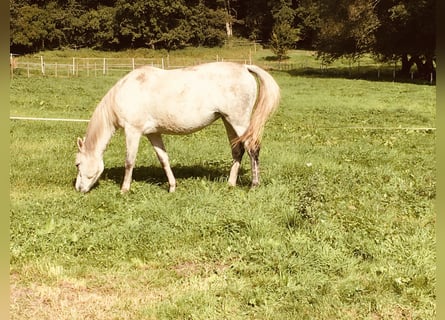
229,29
430,70
420,65
406,65
425,66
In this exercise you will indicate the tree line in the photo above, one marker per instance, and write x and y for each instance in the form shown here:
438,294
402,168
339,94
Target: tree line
391,30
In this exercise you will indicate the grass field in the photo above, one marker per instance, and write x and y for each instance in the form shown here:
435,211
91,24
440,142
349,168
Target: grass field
342,227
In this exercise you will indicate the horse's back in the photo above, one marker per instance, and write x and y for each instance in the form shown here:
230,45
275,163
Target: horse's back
184,100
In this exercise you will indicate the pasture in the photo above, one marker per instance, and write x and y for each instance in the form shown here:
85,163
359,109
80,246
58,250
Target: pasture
342,226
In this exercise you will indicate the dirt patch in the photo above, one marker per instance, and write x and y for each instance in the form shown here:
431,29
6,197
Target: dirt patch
190,268
65,301
126,295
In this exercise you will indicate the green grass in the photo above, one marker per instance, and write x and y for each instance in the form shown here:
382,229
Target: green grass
342,227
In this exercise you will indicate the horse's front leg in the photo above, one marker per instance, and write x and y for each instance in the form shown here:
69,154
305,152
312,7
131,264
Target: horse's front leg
132,142
158,145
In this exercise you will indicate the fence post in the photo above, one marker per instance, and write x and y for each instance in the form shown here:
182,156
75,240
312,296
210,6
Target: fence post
11,65
394,73
42,65
74,66
55,72
132,62
104,70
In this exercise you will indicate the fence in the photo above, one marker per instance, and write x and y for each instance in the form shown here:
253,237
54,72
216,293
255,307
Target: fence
93,66
68,67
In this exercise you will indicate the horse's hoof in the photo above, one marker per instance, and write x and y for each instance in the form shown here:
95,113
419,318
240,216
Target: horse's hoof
171,189
254,185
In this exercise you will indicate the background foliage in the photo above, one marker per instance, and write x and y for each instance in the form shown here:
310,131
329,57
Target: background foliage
390,29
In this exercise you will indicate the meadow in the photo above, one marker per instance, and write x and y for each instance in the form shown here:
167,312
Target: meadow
342,226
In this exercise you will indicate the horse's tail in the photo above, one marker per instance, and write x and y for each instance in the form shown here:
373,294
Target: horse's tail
267,102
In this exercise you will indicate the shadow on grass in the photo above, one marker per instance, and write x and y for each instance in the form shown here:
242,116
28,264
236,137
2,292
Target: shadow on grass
156,175
275,58
383,73
362,73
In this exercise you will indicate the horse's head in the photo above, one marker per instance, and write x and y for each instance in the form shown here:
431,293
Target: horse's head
89,167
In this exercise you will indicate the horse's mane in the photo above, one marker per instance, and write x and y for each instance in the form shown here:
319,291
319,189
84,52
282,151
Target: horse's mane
102,123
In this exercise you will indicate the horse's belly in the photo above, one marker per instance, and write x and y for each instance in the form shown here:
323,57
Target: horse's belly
184,122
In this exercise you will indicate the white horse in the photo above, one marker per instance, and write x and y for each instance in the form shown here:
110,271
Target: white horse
150,101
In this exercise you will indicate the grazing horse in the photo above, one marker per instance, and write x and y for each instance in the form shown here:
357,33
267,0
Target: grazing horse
150,101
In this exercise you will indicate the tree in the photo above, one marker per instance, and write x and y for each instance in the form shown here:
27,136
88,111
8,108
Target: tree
172,30
207,26
132,23
284,35
99,28
33,28
69,20
346,28
258,19
308,21
392,30
119,24
407,32
158,24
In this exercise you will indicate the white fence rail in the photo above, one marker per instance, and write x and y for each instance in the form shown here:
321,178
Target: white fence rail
69,67
95,67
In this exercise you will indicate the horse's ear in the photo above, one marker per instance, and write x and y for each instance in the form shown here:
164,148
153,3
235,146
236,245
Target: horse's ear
80,143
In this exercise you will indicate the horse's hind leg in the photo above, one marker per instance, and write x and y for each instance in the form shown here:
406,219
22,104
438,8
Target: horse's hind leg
255,164
158,145
237,153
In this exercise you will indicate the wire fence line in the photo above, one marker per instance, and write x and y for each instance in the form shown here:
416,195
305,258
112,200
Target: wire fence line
48,119
382,128
93,66
106,66
97,66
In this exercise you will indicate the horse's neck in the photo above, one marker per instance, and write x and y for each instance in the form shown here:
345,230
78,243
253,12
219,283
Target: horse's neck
99,132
